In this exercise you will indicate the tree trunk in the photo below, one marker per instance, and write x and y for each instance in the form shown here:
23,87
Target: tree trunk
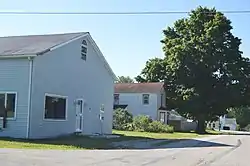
201,128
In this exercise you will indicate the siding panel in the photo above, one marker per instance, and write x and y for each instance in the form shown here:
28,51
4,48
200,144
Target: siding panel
14,76
63,72
135,106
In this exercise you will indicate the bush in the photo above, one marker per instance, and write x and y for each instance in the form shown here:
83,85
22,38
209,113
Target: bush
159,127
130,127
238,127
122,120
141,122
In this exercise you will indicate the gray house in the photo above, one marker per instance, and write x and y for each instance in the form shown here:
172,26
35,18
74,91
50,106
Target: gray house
54,84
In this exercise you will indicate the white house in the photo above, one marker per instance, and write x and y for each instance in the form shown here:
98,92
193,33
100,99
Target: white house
54,84
142,99
149,99
224,123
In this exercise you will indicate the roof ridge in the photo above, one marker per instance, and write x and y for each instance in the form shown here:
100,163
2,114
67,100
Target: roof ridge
146,87
34,44
80,34
46,34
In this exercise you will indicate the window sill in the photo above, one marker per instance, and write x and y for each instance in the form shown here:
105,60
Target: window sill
12,119
55,120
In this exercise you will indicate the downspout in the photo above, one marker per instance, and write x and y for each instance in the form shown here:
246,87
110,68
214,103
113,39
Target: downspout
29,95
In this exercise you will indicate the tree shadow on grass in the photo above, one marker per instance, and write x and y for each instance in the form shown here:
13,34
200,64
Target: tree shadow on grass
85,142
72,141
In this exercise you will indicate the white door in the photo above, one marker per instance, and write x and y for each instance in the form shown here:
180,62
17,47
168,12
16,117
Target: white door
79,115
163,117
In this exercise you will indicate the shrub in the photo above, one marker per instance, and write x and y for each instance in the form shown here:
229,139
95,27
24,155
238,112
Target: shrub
122,119
159,127
129,127
141,122
238,127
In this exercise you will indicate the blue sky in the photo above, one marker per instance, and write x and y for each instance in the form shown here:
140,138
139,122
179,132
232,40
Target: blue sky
127,41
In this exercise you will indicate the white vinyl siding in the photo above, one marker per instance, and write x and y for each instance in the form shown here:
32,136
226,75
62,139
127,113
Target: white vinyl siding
14,76
136,106
63,72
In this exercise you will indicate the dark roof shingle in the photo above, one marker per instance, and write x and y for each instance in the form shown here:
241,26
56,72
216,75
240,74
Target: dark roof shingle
33,44
151,87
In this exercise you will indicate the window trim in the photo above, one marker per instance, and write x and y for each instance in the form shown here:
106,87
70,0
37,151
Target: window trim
5,102
66,107
143,98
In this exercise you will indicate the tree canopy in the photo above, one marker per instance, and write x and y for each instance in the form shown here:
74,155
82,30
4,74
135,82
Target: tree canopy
124,79
203,69
154,71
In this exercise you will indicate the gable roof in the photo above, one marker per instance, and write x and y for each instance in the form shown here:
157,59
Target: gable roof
33,44
150,87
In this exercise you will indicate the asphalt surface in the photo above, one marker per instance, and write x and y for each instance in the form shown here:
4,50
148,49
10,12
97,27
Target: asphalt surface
229,150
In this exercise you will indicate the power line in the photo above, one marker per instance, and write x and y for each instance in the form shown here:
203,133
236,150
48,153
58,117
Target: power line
114,13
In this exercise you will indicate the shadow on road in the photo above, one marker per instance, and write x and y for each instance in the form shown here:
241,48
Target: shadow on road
123,142
192,143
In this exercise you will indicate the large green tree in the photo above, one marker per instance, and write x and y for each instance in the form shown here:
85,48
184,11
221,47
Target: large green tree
204,70
124,79
153,72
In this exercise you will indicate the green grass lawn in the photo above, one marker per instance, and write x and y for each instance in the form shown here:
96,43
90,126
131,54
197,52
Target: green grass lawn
66,142
84,142
175,135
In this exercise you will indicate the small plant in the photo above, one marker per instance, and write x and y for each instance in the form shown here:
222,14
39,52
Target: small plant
122,119
130,127
159,127
141,122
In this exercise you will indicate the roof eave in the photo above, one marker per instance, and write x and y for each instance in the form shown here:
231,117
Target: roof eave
68,41
17,56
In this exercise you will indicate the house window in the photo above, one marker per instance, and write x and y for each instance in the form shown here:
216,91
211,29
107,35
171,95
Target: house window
8,101
116,99
145,99
55,107
84,50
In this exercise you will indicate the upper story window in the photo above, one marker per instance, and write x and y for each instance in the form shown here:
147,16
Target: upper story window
84,50
116,99
145,99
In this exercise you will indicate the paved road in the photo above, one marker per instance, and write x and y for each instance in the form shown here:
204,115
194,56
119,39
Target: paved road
213,151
